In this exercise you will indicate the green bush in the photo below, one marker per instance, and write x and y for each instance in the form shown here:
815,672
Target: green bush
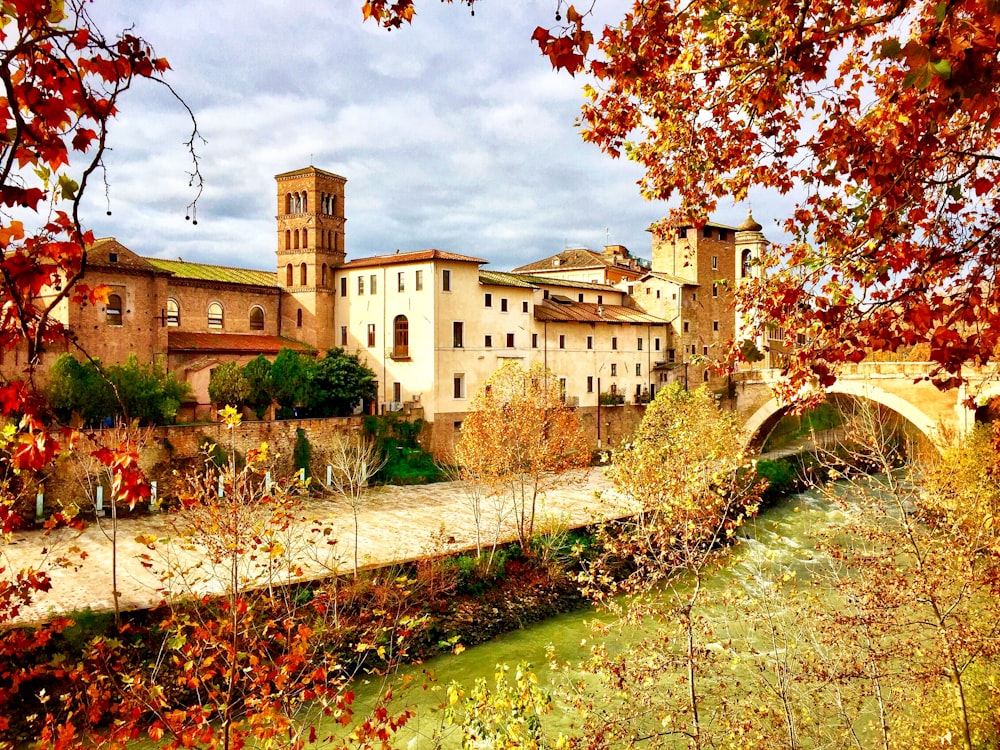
302,452
781,475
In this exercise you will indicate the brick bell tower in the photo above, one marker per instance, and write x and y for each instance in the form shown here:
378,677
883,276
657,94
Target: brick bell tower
310,245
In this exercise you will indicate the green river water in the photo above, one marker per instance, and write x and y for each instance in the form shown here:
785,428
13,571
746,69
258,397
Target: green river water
779,536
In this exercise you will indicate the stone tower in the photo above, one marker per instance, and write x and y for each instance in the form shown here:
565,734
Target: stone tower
750,247
310,245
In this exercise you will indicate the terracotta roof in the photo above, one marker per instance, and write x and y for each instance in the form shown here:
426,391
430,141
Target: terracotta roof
309,170
582,259
670,278
588,312
410,257
547,281
224,274
246,343
504,278
100,253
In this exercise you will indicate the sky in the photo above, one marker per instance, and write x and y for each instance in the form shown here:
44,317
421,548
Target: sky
453,133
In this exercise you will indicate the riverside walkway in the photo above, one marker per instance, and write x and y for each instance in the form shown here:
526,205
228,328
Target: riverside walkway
396,524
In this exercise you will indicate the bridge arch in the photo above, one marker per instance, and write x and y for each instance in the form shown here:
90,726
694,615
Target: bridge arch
764,419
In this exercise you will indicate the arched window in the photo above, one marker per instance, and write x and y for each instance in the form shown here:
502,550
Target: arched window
322,282
400,336
289,275
114,310
288,239
745,263
215,315
288,203
305,203
298,317
295,235
333,205
303,275
173,313
305,238
256,318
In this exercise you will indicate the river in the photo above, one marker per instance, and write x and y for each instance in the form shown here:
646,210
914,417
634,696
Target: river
782,535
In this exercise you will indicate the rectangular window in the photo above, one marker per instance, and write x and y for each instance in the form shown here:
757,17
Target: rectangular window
418,280
510,340
343,286
580,297
562,390
397,392
488,300
458,385
687,327
456,426
715,290
715,325
445,280
457,334
562,340
534,341
374,279
715,262
590,384
694,296
488,341
723,235
524,306
658,294
590,342
503,304
638,369
656,344
639,344
600,299
361,284
648,291
343,335
614,369
371,335
671,355
704,350
400,283
682,232
614,342
706,232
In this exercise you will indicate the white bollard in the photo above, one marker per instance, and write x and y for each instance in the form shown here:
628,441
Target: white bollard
100,501
153,497
329,475
302,475
39,506
267,482
222,487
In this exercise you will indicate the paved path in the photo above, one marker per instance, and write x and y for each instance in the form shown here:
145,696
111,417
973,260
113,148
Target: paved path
396,524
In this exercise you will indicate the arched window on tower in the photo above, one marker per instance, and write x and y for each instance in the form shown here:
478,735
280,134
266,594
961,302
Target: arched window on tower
173,313
288,203
745,260
289,277
305,238
256,318
215,317
303,275
400,337
305,202
333,205
298,317
322,281
295,239
288,239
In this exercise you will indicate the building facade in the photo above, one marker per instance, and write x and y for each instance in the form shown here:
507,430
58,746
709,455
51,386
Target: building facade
433,325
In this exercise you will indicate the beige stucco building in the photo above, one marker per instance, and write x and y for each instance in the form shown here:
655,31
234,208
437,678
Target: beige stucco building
432,325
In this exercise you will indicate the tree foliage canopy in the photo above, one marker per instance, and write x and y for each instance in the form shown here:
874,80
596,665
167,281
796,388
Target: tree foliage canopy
880,116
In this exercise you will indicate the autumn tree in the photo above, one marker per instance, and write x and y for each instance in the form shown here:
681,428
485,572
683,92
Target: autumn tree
518,438
880,119
687,470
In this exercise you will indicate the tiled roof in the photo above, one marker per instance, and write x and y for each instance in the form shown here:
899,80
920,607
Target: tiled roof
573,258
547,281
224,274
410,257
670,278
247,343
309,170
504,278
588,312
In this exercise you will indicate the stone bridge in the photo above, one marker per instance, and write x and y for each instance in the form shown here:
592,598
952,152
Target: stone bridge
901,386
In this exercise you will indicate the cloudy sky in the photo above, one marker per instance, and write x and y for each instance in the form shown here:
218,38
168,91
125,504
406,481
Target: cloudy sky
453,133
